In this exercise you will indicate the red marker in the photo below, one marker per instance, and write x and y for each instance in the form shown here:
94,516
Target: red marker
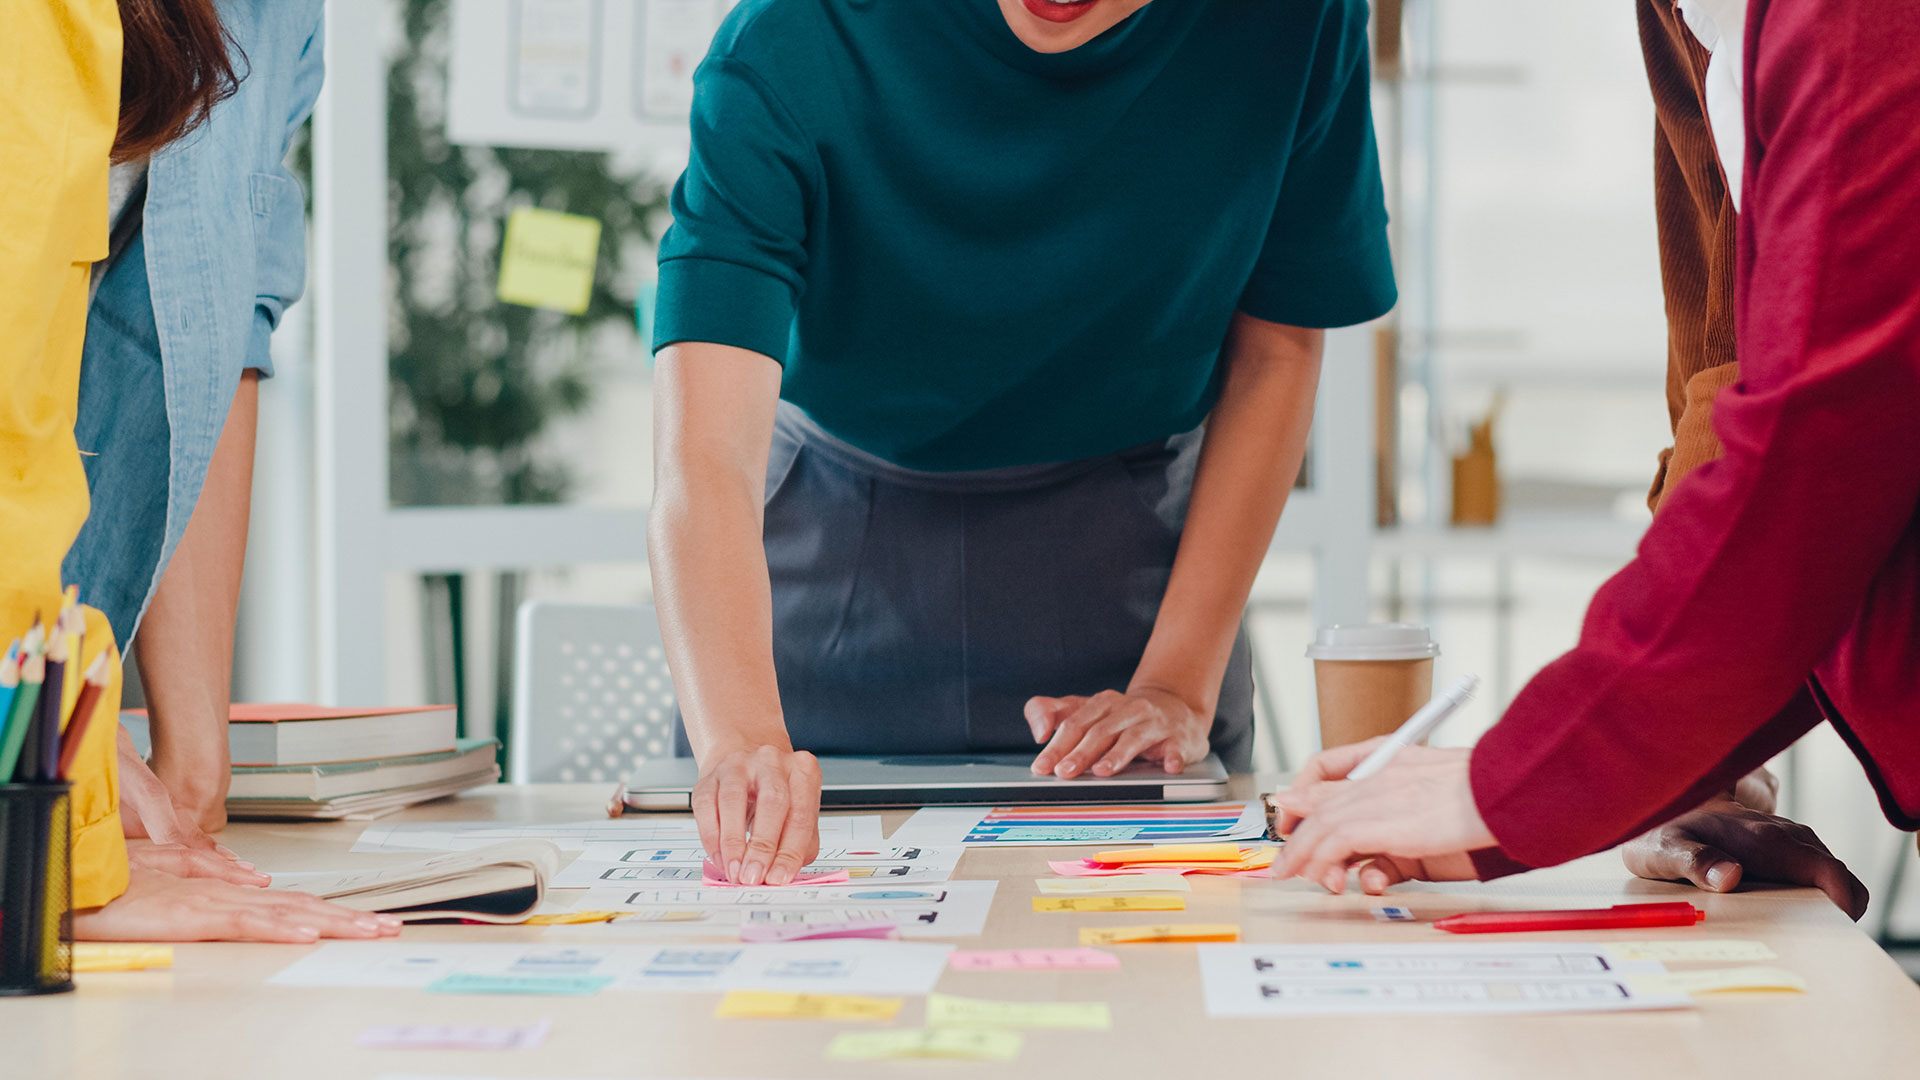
1617,917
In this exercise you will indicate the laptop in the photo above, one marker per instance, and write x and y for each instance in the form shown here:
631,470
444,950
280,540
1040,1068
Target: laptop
666,784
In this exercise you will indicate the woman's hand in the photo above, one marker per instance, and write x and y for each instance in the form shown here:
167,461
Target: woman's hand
1413,819
162,907
179,860
1106,732
758,809
179,845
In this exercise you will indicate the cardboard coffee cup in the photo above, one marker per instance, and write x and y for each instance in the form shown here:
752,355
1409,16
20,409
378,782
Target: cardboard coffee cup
1369,679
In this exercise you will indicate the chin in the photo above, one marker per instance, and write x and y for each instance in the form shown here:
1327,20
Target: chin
1050,28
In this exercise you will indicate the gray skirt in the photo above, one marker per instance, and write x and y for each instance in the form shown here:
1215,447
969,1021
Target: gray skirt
916,612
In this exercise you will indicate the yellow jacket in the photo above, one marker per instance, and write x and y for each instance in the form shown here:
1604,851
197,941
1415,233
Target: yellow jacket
59,108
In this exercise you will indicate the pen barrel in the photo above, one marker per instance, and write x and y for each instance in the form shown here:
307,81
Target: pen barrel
36,889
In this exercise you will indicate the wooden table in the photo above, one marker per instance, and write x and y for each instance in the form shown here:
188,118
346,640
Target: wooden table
211,1017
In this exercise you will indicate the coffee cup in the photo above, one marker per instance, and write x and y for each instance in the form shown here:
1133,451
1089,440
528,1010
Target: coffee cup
1370,679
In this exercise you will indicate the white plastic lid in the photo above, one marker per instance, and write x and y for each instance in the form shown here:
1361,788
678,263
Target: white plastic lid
1378,641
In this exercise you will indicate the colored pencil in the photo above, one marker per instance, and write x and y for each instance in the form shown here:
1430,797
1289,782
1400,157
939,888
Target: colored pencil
9,685
95,682
45,739
73,623
33,672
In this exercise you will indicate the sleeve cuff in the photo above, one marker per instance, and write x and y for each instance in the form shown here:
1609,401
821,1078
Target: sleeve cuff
1490,863
99,861
1334,289
260,344
723,303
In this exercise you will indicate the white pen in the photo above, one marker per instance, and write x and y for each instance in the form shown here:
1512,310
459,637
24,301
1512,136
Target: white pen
1418,726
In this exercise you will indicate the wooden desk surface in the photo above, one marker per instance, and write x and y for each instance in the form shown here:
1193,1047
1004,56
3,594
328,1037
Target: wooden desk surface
211,1017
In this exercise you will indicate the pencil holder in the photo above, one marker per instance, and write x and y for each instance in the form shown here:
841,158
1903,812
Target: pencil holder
36,889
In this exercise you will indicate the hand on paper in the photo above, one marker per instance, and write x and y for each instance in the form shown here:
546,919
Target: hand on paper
179,846
1413,819
1105,733
161,907
758,810
1724,843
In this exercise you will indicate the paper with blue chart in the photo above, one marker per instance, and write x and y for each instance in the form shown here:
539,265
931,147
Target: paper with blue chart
603,864
1050,826
810,967
1368,980
944,910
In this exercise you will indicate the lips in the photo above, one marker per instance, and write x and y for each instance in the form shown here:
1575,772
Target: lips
1060,13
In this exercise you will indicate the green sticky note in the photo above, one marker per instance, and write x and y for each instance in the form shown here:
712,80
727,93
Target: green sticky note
967,1044
946,1010
574,985
548,258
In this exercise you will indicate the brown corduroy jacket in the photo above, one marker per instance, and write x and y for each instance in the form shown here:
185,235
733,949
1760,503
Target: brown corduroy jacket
1696,219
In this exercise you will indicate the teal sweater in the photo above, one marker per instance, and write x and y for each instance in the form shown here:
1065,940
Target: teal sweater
967,254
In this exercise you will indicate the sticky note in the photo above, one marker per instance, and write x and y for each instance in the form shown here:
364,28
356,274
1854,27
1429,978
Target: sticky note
1128,883
571,985
570,918
1031,960
1721,950
967,1044
1184,853
715,878
103,956
1393,913
774,1004
820,931
1719,981
1109,903
946,1010
455,1037
547,260
1065,833
1166,932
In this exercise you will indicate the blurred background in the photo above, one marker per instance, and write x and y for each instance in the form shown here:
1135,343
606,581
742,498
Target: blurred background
431,457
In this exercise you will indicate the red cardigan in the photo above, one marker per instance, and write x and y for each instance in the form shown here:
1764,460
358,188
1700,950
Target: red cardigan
1782,582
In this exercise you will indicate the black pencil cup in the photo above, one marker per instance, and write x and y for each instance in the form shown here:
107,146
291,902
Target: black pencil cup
36,889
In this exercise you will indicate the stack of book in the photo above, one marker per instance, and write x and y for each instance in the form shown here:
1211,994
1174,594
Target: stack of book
311,761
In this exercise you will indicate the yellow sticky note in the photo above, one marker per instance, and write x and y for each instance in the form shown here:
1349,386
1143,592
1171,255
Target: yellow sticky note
1709,950
548,258
569,918
762,1004
1719,981
1123,883
946,1010
103,956
1109,903
966,1044
1165,932
1200,853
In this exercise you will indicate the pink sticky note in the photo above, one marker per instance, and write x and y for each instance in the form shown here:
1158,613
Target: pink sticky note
455,1037
715,877
1031,959
1090,869
851,928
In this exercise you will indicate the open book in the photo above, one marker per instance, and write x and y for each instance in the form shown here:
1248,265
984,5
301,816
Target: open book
500,883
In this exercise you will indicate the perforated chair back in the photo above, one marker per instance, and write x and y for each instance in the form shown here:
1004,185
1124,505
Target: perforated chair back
591,694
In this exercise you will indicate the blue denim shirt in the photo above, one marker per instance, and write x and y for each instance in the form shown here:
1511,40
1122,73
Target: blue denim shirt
189,304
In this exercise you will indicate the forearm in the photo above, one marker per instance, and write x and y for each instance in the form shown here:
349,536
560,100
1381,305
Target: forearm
185,643
1256,438
704,544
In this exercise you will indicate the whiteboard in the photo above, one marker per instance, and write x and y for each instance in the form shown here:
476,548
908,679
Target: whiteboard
612,75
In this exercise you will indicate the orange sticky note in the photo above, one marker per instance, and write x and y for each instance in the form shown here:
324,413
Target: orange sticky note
1166,932
1183,853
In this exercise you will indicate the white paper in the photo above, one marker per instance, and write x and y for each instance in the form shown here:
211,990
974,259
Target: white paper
602,864
553,61
1362,980
809,967
1103,826
953,909
455,1037
539,855
417,836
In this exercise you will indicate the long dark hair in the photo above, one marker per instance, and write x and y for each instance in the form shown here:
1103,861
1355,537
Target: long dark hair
174,68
